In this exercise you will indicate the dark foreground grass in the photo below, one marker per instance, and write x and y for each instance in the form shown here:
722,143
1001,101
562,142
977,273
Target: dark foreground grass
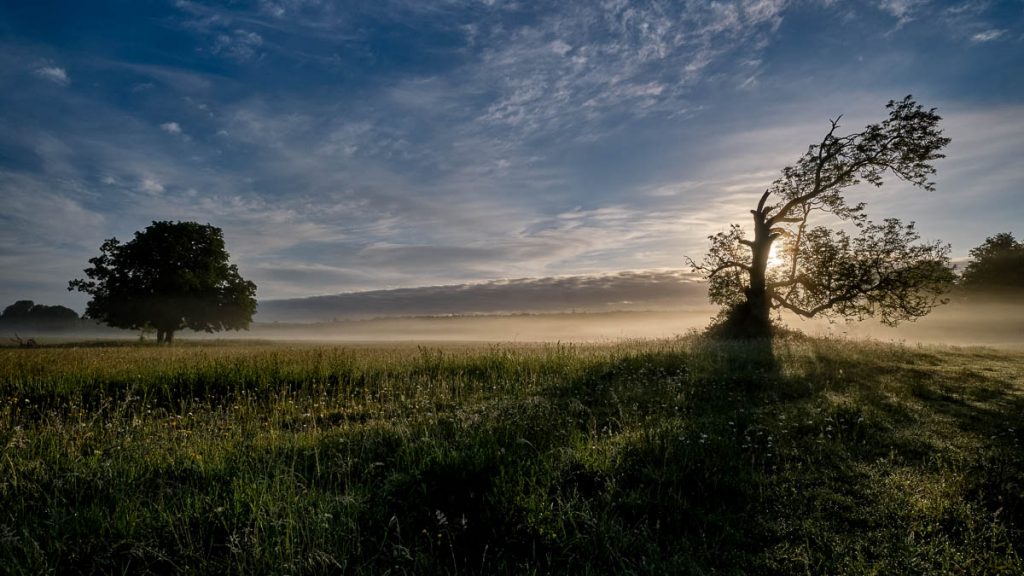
683,456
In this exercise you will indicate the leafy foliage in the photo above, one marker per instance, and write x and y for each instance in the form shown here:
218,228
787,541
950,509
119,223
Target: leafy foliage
172,275
881,270
28,313
997,266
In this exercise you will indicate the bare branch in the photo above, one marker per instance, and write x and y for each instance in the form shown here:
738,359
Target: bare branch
726,266
764,198
784,303
789,282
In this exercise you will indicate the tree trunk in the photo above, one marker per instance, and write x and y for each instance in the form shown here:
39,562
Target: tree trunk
160,335
169,337
752,318
757,294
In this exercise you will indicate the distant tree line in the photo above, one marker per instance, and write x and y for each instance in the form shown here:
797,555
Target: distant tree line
26,314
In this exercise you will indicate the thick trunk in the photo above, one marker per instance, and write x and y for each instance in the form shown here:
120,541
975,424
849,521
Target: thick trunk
752,318
159,336
169,337
757,294
164,335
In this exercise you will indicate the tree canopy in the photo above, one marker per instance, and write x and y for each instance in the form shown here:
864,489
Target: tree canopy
854,270
26,313
170,276
996,267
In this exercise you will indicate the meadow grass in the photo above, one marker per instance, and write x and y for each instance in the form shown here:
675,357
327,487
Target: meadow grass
650,457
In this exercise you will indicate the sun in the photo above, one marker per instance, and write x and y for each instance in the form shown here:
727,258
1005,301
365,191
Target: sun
774,256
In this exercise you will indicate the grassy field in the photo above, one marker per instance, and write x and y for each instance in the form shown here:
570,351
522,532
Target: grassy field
675,456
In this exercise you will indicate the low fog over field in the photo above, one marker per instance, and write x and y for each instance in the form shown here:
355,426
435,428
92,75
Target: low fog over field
964,324
570,308
960,323
594,308
652,304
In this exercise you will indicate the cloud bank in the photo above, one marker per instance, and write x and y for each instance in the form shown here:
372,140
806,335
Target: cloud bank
664,290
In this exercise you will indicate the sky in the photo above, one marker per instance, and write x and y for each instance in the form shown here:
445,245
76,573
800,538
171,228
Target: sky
366,145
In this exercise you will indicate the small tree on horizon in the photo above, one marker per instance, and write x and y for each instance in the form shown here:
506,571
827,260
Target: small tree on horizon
883,270
31,315
996,267
170,276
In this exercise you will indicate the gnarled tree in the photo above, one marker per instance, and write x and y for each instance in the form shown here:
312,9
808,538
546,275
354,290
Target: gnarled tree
881,270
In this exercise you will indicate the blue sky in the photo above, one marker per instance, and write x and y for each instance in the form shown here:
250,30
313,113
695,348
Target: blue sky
360,145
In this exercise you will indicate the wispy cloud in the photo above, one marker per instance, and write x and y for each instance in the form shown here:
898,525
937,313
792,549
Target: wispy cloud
400,142
47,235
222,29
151,185
988,35
239,45
975,21
903,10
245,31
578,64
53,74
171,127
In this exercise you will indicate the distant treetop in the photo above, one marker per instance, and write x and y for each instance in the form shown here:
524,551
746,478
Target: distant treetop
29,314
996,267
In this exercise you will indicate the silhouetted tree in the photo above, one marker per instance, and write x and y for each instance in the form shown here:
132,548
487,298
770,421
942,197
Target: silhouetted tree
28,314
55,315
17,312
882,270
996,267
172,275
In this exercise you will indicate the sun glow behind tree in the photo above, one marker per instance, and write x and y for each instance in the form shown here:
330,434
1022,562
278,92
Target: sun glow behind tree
874,270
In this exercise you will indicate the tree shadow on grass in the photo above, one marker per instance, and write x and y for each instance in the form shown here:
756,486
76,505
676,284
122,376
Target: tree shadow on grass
634,466
701,457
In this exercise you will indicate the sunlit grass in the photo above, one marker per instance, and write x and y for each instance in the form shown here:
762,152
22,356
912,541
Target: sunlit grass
686,455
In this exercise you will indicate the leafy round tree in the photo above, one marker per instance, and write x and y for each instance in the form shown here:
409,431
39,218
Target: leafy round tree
31,315
170,276
879,270
17,312
996,267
